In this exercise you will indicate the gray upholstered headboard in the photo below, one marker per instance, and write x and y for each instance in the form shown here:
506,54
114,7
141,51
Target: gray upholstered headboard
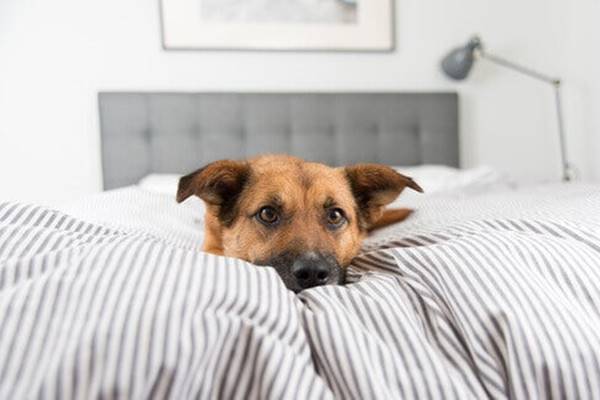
145,133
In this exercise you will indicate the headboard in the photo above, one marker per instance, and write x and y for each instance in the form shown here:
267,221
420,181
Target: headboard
145,133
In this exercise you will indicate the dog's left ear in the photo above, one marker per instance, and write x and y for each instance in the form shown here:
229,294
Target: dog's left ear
219,183
374,186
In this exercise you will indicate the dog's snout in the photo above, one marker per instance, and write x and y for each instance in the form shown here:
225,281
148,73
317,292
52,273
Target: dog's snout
303,270
311,270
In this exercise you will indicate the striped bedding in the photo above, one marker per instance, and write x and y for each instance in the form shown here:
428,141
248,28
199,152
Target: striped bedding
494,295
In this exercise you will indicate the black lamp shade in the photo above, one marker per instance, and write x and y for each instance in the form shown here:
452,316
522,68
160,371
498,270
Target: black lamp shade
458,63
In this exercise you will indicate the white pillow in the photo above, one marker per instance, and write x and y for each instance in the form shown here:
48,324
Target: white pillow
432,178
439,178
160,183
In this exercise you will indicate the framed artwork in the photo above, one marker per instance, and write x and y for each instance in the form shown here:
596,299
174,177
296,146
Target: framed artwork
325,25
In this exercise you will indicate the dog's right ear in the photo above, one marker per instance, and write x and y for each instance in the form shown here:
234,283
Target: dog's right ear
218,183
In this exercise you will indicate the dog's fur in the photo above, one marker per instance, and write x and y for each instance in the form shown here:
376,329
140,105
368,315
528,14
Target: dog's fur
303,195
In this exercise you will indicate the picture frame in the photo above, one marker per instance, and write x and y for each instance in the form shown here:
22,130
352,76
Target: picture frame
278,25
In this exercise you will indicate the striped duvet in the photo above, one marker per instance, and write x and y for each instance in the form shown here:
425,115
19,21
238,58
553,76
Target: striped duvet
483,296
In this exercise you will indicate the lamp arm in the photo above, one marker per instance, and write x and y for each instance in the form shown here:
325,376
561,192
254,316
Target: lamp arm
567,170
519,68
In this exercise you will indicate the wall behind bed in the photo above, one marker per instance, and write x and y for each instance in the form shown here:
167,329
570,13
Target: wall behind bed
55,56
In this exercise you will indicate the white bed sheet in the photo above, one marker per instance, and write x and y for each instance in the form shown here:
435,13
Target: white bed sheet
487,295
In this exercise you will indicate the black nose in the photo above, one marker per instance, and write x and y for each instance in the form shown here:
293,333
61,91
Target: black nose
311,270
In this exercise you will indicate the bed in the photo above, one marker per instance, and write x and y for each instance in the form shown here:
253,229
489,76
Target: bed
489,290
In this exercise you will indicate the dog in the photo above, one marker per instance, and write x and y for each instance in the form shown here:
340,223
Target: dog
305,219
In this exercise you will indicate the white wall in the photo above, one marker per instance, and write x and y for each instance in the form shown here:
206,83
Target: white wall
583,73
55,56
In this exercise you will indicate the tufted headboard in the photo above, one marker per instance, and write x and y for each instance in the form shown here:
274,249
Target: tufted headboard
145,133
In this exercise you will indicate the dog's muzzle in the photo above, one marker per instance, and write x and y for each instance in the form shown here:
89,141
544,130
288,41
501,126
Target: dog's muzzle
311,269
306,270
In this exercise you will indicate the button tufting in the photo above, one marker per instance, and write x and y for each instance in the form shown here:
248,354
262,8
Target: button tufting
373,129
147,134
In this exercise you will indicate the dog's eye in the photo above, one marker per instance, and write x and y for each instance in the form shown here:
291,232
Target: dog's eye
267,215
335,217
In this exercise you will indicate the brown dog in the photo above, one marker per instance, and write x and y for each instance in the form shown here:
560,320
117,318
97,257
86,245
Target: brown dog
305,219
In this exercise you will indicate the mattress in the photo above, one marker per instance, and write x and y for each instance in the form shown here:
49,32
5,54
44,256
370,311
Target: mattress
493,294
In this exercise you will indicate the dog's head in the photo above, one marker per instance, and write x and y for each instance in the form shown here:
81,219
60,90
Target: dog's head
307,220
